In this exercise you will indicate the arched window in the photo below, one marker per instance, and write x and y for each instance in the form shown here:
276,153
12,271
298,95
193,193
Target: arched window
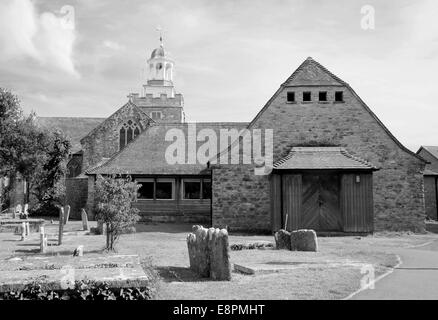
128,132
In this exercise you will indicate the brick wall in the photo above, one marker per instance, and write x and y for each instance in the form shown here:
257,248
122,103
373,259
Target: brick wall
76,195
398,186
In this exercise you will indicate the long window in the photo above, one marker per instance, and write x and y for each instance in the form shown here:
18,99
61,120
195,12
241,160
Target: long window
128,132
156,189
196,189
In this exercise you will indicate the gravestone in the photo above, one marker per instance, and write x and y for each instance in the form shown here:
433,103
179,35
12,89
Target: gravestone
282,239
23,231
84,217
43,240
220,267
209,253
79,251
26,208
61,225
66,213
303,240
198,252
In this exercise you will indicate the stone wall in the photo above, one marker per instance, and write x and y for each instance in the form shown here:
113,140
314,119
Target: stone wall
430,196
398,186
76,194
103,142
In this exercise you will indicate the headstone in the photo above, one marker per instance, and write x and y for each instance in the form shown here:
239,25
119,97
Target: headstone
27,224
220,267
84,217
66,213
79,251
282,239
43,240
19,209
61,225
26,208
303,240
198,252
23,231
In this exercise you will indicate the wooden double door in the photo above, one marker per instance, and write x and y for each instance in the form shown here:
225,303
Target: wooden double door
320,206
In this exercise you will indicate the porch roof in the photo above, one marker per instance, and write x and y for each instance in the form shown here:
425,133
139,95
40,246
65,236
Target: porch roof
322,158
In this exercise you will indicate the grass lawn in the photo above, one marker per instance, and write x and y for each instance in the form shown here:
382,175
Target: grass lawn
332,273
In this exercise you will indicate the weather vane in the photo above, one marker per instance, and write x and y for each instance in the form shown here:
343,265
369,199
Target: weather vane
160,29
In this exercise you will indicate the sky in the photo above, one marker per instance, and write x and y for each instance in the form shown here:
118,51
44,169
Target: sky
82,58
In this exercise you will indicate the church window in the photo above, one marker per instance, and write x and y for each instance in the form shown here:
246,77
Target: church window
323,96
156,115
291,96
129,135
128,132
307,96
339,96
122,138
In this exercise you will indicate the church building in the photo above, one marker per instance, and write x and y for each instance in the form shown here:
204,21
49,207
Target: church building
336,167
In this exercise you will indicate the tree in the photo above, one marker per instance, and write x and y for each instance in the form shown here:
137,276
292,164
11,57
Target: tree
114,196
47,182
38,155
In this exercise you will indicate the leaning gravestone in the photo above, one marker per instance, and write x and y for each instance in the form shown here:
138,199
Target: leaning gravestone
66,214
282,239
303,240
209,253
84,217
61,225
198,251
220,267
43,240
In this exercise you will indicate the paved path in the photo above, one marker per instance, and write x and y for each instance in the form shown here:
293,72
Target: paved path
415,278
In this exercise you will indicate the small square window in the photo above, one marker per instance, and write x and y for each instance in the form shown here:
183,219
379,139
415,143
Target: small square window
339,96
323,96
156,115
291,97
307,96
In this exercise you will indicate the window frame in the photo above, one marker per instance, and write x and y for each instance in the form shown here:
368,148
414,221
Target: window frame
342,96
294,97
157,112
155,180
310,96
191,180
324,93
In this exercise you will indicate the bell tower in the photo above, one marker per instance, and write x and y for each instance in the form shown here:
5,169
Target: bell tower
160,73
158,98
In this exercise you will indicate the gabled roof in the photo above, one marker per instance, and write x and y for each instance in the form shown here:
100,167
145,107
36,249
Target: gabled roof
320,158
129,103
310,72
294,79
432,150
146,154
73,127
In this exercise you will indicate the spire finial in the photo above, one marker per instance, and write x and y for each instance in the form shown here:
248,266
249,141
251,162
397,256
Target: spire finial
160,30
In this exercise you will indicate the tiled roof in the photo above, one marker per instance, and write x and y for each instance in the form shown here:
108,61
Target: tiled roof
73,127
433,150
429,172
146,154
309,158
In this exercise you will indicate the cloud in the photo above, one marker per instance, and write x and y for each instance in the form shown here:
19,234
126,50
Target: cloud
46,38
113,45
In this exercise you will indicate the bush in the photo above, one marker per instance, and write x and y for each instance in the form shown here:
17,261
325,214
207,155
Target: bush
114,197
83,290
